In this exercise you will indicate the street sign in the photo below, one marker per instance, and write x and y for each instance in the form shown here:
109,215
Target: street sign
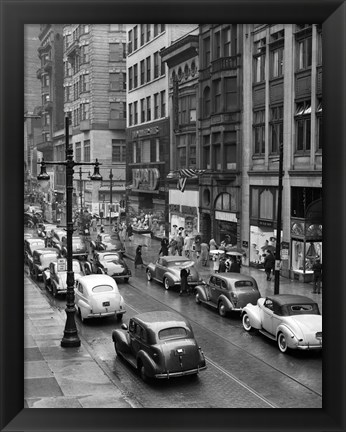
62,265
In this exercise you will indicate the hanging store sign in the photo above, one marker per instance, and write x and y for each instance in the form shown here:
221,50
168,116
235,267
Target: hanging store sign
145,132
145,178
224,216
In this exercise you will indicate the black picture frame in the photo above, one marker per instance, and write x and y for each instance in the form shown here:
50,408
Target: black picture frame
14,14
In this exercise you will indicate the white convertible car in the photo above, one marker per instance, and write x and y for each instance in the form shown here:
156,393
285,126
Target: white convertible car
294,321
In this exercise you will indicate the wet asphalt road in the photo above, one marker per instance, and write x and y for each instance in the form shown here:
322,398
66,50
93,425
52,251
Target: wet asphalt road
244,370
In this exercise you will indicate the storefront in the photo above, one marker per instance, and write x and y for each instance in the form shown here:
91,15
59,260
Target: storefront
183,210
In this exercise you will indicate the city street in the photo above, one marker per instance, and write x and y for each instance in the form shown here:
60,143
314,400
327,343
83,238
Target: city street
245,370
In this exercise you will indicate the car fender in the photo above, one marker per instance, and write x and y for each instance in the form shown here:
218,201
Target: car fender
202,293
88,266
151,267
148,363
122,340
291,337
93,245
253,314
171,279
46,275
228,304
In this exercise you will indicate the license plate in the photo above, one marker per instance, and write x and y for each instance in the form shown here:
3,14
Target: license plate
179,352
105,304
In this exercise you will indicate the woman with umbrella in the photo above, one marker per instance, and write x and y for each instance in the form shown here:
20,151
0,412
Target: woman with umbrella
138,257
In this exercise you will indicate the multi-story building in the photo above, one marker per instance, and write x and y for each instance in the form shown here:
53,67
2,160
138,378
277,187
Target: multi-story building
183,65
282,104
95,99
148,128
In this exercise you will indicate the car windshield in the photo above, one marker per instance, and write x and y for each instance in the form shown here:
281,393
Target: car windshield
172,333
111,257
102,288
243,284
303,309
38,245
46,259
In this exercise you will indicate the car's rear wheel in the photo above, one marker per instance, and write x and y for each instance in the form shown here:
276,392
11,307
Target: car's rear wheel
149,275
222,309
166,283
246,322
126,280
142,373
282,343
198,301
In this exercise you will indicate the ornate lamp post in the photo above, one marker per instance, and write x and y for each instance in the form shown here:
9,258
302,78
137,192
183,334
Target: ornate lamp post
278,226
70,338
111,198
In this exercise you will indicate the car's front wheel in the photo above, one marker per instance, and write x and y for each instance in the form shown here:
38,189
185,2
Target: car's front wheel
166,283
282,343
126,280
149,275
246,322
142,373
222,309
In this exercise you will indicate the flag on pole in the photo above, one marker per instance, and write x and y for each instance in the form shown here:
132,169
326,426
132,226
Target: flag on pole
186,173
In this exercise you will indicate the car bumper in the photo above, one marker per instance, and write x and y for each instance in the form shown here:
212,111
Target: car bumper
309,347
120,276
168,374
105,314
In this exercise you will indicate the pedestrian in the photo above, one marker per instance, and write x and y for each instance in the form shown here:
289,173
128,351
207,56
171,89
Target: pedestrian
138,257
213,245
129,232
184,285
164,247
216,263
204,254
317,268
222,265
186,246
235,267
172,247
269,264
180,243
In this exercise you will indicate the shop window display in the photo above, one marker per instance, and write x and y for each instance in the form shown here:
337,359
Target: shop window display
304,255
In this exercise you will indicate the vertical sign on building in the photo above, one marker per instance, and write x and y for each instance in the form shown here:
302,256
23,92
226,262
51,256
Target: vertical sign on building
175,105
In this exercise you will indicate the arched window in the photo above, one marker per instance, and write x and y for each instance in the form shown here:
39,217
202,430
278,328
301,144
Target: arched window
266,205
225,202
206,102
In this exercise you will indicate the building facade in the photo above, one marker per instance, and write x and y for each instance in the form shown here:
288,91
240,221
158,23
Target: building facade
95,100
282,99
148,125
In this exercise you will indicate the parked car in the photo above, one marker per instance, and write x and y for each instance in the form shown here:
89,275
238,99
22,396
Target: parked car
31,244
294,321
167,270
54,277
110,263
98,296
159,345
55,238
44,230
79,247
41,260
108,242
228,292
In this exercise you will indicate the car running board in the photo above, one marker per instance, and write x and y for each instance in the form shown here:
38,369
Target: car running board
130,359
269,335
209,303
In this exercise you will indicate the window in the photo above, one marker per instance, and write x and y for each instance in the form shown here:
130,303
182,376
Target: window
130,115
303,126
181,150
85,54
226,40
163,67
78,152
259,60
114,52
156,64
68,69
85,28
135,38
135,112
319,126
124,50
67,94
45,80
186,109
142,110
163,103
156,29
130,78
206,152
116,81
135,76
117,110
156,106
85,83
145,151
206,52
142,34
118,151
148,108
46,119
148,32
230,150
84,111
192,151
304,53
130,42
277,61
258,132
276,125
217,45
87,151
217,96
216,140
163,27
206,102
142,72
231,93
148,68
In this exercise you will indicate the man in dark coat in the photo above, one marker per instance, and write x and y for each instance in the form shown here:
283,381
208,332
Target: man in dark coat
184,286
317,268
269,264
222,265
164,247
235,267
138,257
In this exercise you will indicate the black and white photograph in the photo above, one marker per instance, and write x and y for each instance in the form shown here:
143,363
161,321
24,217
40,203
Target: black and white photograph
183,224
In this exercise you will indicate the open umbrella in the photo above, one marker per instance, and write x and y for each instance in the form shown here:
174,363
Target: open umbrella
217,252
187,264
271,248
234,253
236,249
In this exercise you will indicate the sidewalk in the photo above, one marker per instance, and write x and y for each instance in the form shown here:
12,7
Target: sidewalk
150,253
56,377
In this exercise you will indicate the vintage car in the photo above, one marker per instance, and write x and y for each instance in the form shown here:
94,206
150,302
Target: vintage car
159,345
31,244
79,247
294,321
108,242
54,277
55,238
98,296
110,263
41,260
45,229
228,292
167,270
